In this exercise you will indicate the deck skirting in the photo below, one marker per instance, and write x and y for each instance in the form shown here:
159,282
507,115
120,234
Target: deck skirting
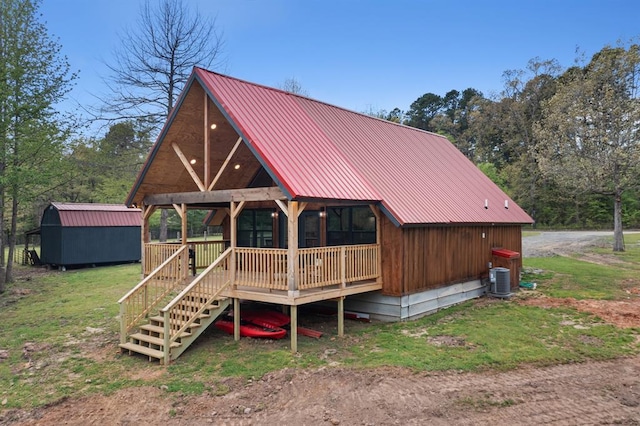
413,306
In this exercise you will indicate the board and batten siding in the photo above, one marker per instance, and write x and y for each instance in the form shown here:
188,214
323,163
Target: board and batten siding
425,258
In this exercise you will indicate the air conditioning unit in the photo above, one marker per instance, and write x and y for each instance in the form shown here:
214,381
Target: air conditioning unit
500,279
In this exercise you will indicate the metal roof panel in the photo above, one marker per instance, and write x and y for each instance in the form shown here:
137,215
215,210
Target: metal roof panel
97,215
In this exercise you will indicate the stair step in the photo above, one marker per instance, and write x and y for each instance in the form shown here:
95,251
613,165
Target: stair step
153,353
160,320
189,313
151,339
187,304
160,330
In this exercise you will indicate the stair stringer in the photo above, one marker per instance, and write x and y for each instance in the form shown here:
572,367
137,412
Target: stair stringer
205,322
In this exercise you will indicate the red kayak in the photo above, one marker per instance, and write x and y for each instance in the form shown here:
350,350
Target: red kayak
268,331
275,319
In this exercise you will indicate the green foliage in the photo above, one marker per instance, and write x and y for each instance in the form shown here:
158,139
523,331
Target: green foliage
105,169
492,173
588,133
34,77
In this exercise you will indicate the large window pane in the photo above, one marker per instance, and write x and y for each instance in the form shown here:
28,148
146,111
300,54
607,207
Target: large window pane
363,219
255,228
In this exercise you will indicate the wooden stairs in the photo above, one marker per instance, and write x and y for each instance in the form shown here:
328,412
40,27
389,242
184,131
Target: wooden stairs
148,340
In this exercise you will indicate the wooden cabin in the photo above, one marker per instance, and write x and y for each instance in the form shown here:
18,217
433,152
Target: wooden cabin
317,203
82,234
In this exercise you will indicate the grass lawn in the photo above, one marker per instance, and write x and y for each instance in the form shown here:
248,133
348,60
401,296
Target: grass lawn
59,335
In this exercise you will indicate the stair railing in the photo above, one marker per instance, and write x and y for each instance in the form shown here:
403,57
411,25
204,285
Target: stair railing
143,298
198,295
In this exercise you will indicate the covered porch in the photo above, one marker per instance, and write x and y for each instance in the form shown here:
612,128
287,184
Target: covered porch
293,269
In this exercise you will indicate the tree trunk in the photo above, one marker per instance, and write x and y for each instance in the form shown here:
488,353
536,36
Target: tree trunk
2,233
163,225
12,239
618,239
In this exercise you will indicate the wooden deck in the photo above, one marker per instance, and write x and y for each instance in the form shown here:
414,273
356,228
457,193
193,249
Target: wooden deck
188,304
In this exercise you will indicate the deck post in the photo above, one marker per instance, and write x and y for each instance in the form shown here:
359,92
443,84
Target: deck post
167,338
376,213
233,241
123,323
292,239
144,235
341,316
185,229
236,319
343,267
294,328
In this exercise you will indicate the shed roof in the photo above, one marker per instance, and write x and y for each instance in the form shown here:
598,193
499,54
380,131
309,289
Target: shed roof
314,150
96,215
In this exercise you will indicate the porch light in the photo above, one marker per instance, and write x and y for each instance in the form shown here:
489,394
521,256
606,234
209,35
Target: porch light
193,161
237,166
322,213
213,126
274,215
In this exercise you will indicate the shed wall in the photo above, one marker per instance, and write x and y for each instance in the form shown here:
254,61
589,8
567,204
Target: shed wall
50,238
89,245
86,245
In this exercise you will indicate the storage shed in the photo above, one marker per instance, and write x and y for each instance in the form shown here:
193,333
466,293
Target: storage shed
74,234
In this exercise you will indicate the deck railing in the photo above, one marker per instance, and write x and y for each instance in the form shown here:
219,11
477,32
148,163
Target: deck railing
362,262
197,296
207,252
323,266
156,253
150,292
317,267
261,267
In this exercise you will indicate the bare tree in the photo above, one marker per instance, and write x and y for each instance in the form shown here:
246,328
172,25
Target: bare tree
154,62
292,85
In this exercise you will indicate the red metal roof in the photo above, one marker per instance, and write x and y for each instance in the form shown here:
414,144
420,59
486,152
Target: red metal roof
316,150
86,214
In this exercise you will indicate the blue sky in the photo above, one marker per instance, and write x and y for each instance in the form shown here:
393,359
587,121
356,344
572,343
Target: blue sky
362,54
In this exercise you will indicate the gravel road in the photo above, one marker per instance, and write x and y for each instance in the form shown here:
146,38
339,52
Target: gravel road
554,243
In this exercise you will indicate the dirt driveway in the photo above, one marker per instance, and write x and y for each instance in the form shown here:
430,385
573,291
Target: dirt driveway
575,394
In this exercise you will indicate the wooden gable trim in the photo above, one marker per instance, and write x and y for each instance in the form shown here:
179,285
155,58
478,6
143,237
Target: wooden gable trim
187,165
226,162
221,196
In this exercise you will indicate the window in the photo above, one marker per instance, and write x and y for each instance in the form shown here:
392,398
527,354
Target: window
255,228
350,225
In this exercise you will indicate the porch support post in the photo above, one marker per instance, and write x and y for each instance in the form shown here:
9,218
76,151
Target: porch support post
292,254
236,319
183,216
182,212
294,328
341,316
232,242
234,211
145,238
376,213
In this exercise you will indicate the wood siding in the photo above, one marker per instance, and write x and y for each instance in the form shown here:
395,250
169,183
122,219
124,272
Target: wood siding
419,259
